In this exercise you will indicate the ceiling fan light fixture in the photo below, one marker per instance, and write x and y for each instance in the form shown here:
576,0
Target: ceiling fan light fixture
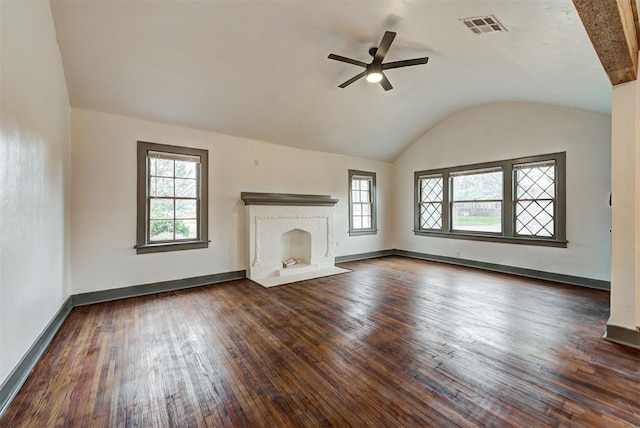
373,71
374,77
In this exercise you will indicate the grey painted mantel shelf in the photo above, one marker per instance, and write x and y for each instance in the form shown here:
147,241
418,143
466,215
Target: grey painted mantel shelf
252,198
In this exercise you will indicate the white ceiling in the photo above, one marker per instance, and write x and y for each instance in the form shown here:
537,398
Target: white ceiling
259,69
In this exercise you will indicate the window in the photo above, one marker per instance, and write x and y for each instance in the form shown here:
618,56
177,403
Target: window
476,201
172,198
516,200
431,197
362,203
535,198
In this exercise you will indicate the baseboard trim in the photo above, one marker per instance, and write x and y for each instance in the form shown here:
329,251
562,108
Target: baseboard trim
494,267
622,335
363,256
93,297
11,386
529,273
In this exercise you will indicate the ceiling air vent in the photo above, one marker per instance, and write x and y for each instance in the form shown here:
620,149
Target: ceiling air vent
484,24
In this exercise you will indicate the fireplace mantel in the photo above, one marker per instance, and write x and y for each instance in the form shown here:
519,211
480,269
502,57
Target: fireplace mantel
287,199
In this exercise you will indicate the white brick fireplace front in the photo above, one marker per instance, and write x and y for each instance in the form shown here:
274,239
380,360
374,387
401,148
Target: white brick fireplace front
287,227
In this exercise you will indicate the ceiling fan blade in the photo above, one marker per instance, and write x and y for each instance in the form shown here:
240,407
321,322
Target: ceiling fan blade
385,83
353,79
347,60
385,44
405,63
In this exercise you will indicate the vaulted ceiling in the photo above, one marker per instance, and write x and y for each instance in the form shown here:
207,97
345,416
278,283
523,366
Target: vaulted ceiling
259,69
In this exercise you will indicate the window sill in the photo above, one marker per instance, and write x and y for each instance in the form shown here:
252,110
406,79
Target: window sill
363,232
495,238
170,246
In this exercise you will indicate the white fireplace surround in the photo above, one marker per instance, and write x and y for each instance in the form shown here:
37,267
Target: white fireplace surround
305,222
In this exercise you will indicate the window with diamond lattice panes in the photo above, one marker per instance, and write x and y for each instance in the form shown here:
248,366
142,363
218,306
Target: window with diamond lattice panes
535,197
431,197
520,200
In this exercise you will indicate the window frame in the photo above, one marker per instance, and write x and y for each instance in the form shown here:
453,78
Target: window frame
371,176
143,245
508,234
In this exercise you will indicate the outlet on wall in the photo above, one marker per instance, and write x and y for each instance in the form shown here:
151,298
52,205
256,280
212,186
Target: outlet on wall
337,244
457,254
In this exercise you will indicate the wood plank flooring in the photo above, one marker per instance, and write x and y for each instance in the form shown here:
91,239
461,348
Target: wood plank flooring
395,342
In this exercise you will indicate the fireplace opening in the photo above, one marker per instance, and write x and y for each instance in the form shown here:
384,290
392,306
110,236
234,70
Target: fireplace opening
295,248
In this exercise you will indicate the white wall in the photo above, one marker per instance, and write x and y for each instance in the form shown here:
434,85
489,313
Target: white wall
625,309
104,199
34,178
510,130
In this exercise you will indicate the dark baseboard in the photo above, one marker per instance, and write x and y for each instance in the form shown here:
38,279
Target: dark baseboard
529,273
153,288
18,376
363,256
623,336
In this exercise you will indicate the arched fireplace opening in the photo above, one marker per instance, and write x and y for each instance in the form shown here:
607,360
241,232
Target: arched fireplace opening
295,245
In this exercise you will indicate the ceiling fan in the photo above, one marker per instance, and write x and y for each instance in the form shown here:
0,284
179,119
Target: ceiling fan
374,70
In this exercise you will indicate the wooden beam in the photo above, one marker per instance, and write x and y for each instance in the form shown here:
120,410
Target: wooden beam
634,10
612,27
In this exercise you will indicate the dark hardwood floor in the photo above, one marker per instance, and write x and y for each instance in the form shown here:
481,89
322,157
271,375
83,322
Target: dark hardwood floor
396,342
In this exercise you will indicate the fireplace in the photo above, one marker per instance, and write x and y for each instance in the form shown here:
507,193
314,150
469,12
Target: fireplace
290,237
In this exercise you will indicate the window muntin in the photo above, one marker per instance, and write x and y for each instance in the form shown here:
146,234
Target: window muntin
362,209
172,198
476,201
535,198
431,192
527,205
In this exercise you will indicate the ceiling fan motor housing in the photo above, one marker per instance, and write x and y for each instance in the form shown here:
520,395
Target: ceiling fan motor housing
374,68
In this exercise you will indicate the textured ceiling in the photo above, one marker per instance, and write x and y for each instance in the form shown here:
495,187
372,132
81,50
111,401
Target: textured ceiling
259,69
